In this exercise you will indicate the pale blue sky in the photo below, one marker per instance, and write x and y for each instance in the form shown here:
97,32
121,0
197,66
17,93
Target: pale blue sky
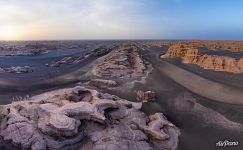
121,19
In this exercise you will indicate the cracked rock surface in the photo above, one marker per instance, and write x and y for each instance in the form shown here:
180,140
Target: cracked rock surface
81,118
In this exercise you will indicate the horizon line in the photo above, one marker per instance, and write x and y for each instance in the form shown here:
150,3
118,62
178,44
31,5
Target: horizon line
156,39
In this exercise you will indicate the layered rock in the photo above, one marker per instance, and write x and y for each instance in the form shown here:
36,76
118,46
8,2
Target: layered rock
121,62
240,64
68,60
176,50
97,52
145,96
234,46
100,51
17,69
81,118
190,56
211,62
160,44
219,63
103,83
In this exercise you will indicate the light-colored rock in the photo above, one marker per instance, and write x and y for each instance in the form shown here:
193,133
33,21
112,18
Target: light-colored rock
240,64
68,60
81,118
103,83
190,56
218,63
17,69
211,62
145,96
175,51
122,61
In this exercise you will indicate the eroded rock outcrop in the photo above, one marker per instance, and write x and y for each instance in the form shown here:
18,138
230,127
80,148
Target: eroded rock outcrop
97,52
18,69
211,62
81,118
68,60
100,51
234,46
145,96
123,61
219,63
103,83
175,51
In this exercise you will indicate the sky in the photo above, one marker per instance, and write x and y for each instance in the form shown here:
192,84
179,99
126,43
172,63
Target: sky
121,19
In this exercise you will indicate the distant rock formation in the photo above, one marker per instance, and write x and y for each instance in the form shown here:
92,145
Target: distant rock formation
220,63
234,46
68,60
17,69
211,62
160,44
81,118
97,52
100,51
123,61
175,51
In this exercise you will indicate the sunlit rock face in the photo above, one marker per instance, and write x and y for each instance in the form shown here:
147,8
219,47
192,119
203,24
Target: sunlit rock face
175,51
212,62
219,63
81,118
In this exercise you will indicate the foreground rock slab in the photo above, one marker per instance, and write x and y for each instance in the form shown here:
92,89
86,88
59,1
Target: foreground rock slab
81,118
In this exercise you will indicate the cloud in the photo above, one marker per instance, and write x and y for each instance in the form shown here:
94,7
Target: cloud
77,19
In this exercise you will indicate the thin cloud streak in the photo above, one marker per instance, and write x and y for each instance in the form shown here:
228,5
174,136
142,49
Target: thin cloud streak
76,19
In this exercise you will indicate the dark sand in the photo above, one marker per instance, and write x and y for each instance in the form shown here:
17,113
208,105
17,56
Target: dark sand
199,85
17,86
202,86
197,133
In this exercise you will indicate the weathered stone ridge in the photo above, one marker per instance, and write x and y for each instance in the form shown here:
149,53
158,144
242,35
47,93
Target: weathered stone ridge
121,62
233,46
68,60
17,69
81,118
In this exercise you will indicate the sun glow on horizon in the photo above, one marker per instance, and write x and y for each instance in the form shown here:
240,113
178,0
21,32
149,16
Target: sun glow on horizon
9,33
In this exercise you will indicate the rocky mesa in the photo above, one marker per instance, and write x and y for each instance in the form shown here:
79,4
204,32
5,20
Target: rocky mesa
212,62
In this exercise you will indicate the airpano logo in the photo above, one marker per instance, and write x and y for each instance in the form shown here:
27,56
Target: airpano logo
226,143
